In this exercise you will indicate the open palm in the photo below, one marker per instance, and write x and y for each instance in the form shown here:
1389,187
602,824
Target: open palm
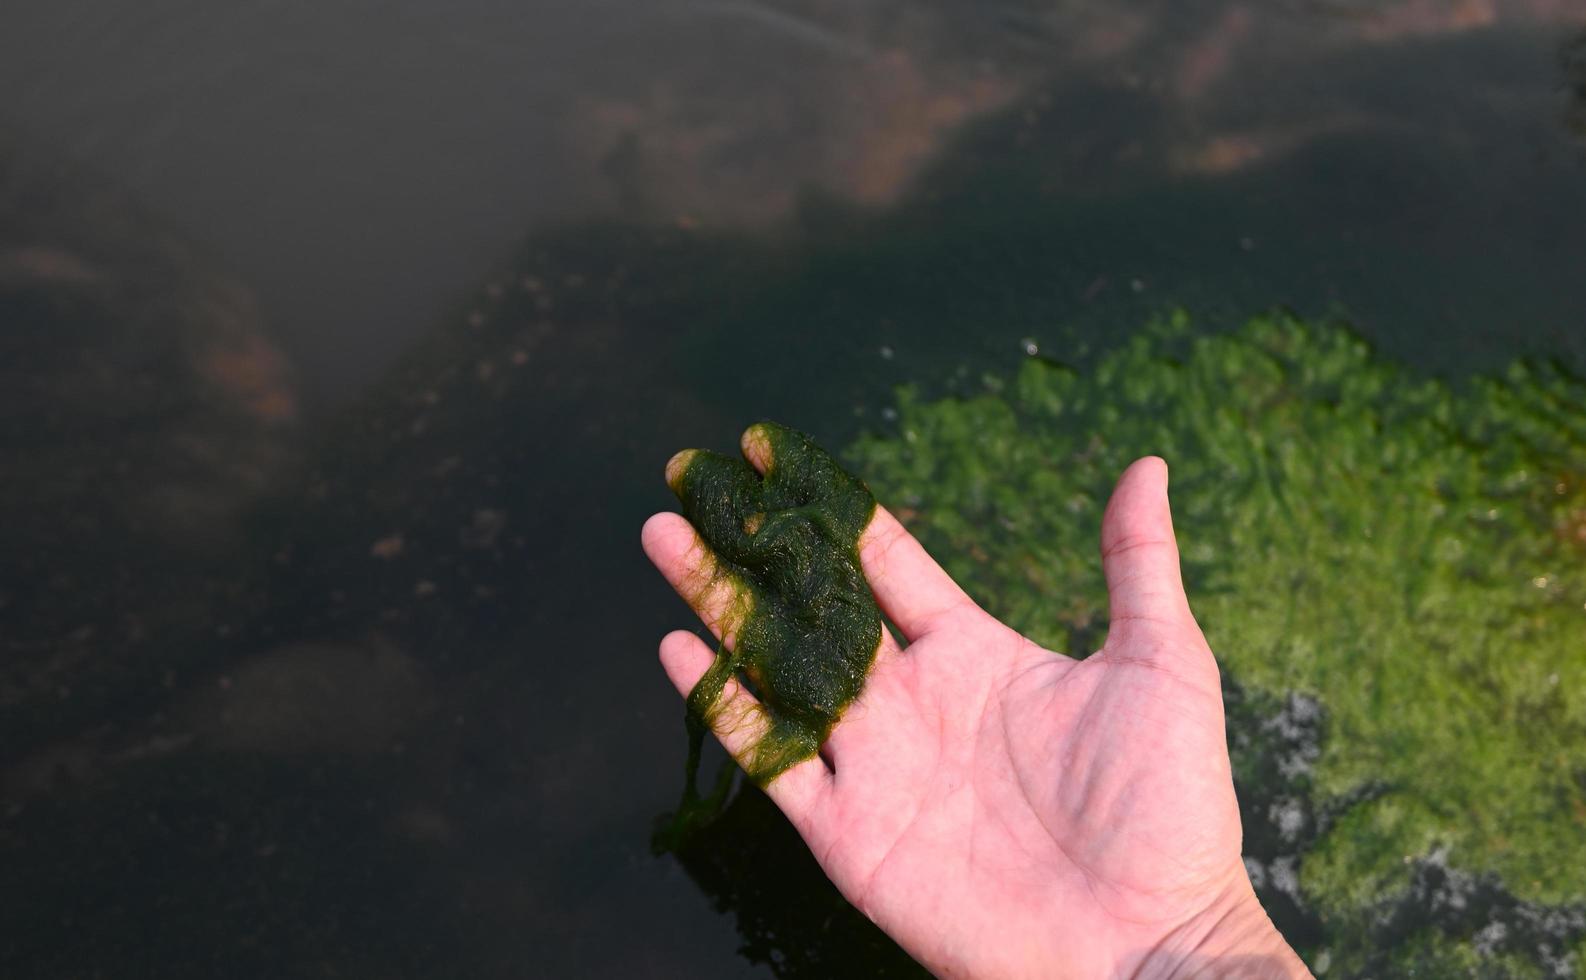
1002,810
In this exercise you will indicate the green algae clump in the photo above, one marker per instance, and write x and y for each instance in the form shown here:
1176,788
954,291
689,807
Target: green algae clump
803,626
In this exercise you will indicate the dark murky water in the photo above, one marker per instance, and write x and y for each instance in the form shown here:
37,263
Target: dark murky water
342,348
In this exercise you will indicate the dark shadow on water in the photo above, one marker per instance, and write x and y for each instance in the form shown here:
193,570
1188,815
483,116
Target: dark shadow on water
755,867
209,867
1572,57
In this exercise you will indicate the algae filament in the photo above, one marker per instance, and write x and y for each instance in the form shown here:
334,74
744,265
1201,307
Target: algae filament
805,627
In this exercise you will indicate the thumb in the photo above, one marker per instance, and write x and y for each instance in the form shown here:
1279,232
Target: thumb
1139,554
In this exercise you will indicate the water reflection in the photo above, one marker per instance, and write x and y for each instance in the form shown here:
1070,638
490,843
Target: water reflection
371,691
147,413
1573,58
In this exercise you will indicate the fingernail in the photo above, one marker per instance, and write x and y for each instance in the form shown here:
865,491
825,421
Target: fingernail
756,445
677,466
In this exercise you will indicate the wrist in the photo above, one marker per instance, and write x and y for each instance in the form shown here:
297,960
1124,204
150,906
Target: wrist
1231,938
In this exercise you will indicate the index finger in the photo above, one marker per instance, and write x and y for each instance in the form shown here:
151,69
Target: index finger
912,589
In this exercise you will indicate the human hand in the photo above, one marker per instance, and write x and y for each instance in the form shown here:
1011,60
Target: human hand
1002,810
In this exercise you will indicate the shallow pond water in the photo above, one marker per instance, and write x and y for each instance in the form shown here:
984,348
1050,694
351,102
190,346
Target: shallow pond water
343,349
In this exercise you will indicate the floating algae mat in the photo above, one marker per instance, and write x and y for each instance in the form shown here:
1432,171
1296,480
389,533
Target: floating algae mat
1401,559
804,624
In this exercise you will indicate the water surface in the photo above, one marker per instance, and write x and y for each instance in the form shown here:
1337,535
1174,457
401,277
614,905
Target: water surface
345,347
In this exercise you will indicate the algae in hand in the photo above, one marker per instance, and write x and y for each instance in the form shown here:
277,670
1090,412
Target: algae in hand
803,624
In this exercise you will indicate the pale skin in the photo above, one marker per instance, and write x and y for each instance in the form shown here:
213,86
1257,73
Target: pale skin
1002,810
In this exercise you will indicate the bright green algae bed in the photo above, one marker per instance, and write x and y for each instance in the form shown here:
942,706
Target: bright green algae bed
1404,559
